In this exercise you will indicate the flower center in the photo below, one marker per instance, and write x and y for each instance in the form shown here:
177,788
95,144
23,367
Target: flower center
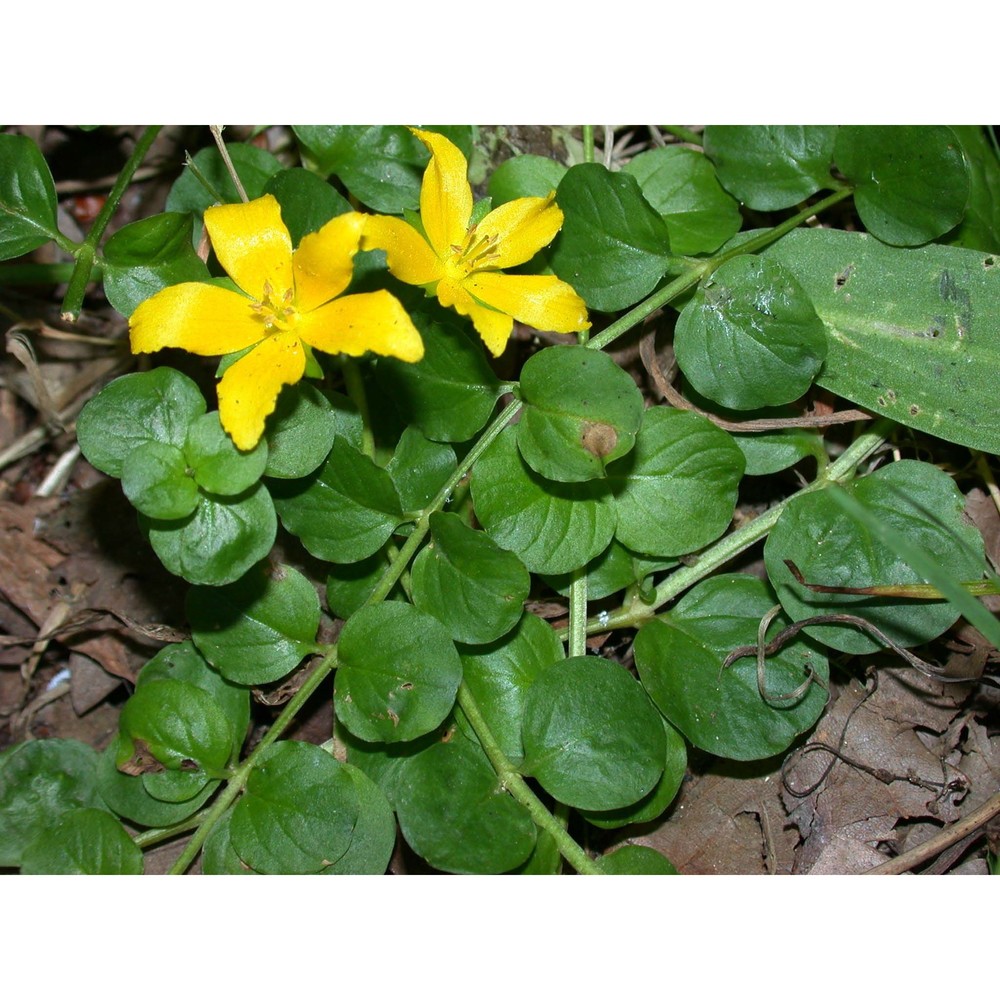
276,312
475,253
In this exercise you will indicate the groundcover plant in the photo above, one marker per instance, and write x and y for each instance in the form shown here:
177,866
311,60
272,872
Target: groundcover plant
476,461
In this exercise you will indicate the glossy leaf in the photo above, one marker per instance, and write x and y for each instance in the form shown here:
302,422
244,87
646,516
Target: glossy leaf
526,176
399,673
374,836
349,585
680,656
581,412
259,628
614,569
614,246
155,479
27,197
750,336
592,738
419,468
301,430
83,842
980,227
208,181
773,451
216,464
635,859
911,182
307,201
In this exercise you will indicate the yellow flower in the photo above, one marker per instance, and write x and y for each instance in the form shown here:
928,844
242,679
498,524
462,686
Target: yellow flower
461,263
287,305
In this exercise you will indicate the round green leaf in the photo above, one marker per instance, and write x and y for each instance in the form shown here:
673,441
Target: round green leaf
592,738
218,856
301,430
146,256
581,412
399,673
345,511
681,185
552,527
614,569
526,176
260,627
634,859
915,499
217,465
768,453
39,781
911,181
220,541
83,842
156,481
676,491
769,167
419,468
680,656
157,405
349,585
307,201
500,674
178,725
614,246
750,336
464,579
454,813
450,393
27,197
208,181
298,813
374,837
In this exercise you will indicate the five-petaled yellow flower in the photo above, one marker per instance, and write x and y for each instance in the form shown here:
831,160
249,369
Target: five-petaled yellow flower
462,264
287,305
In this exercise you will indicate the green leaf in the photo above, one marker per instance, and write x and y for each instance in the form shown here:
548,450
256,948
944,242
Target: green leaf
27,198
614,247
774,451
220,541
592,738
581,412
307,202
374,836
681,185
258,628
146,256
419,468
465,580
451,392
980,228
39,782
301,430
499,675
157,405
399,673
83,842
614,569
750,337
155,479
217,465
218,856
910,333
298,813
680,656
676,491
345,511
552,527
349,585
912,499
526,176
634,859
911,182
769,167
454,814
254,166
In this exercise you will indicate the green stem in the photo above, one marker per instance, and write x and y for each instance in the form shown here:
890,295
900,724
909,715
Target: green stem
87,251
578,613
518,787
215,812
588,143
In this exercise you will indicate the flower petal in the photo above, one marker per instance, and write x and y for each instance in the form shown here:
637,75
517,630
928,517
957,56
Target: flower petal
324,261
409,256
354,324
252,244
445,195
521,227
541,301
493,327
249,390
200,318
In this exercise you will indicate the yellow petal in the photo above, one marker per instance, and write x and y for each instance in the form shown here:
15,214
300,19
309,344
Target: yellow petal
408,254
324,261
253,245
541,301
200,318
521,227
493,327
445,195
354,324
249,390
